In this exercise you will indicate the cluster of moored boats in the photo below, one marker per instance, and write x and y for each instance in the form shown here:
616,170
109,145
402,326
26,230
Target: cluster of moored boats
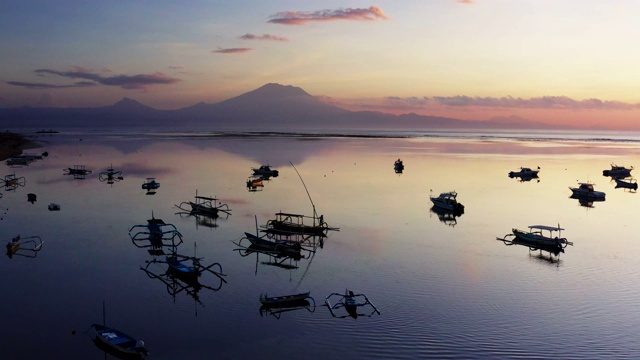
538,237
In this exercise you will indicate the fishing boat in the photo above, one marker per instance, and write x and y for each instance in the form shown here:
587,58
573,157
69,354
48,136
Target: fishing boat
182,270
618,171
118,343
398,166
204,205
110,175
24,246
150,184
448,201
524,172
265,170
534,239
535,236
12,182
155,234
253,183
284,299
287,223
586,190
350,302
77,170
631,184
279,246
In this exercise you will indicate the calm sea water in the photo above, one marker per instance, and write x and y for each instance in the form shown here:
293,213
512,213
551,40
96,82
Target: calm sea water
445,288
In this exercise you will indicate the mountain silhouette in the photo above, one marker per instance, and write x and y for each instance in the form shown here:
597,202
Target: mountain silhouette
271,107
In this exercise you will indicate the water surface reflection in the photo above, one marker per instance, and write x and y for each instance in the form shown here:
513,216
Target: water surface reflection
442,291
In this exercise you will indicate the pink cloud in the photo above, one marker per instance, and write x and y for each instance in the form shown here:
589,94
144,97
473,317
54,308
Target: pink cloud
263,37
467,2
303,17
231,50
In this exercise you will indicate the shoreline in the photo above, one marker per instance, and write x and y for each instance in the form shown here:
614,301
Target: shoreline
12,144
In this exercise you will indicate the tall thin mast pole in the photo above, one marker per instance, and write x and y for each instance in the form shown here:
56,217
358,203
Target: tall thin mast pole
315,215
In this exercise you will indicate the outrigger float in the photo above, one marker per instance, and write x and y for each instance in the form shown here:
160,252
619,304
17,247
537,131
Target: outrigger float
536,240
204,205
155,235
24,246
350,302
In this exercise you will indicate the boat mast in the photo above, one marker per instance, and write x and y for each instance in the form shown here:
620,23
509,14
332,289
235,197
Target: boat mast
315,215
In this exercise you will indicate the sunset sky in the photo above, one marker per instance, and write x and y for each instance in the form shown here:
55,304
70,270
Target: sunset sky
555,61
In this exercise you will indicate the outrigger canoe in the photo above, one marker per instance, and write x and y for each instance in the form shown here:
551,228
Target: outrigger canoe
283,300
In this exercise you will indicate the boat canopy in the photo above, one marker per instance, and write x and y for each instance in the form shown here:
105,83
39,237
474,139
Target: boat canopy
545,227
205,198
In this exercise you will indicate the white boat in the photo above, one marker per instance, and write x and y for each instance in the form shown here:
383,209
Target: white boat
448,201
586,190
617,171
265,170
525,172
150,184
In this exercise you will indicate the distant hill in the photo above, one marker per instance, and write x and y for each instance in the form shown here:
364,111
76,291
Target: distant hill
271,107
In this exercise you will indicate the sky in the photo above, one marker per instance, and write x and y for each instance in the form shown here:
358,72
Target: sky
554,61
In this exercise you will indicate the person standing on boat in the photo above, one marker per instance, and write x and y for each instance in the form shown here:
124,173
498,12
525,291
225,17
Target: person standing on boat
321,219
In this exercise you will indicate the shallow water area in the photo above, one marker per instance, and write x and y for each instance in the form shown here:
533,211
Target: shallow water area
445,287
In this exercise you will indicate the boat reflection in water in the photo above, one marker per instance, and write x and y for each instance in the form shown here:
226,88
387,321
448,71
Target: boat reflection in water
445,216
586,201
276,305
630,184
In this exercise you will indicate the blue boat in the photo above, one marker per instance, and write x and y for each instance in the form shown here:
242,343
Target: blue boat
118,343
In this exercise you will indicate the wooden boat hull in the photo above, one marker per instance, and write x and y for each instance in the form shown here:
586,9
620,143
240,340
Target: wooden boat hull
284,300
277,246
117,343
538,240
293,228
184,272
197,208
